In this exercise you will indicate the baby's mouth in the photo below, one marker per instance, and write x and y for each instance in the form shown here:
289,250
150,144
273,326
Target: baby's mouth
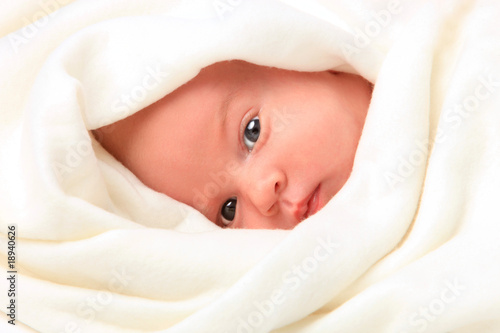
313,203
308,206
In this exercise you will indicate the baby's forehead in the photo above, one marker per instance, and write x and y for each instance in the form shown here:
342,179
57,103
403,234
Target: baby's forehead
233,72
215,88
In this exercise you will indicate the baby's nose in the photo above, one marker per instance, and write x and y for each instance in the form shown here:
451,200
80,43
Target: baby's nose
263,187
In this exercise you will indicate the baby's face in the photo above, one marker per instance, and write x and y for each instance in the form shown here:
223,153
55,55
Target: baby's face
248,146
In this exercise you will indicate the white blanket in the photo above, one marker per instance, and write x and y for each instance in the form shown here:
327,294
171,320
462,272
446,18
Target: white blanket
410,244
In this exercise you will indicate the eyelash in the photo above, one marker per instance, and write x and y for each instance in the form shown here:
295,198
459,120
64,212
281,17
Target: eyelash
244,122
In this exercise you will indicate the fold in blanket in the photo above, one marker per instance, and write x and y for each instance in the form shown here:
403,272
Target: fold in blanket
410,243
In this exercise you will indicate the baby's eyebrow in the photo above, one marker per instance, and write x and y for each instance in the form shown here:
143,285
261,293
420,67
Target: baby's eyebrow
224,107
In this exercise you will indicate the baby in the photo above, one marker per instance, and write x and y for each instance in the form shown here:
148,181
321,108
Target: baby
248,146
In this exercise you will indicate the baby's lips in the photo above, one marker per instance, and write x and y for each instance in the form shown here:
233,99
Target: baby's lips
306,206
314,202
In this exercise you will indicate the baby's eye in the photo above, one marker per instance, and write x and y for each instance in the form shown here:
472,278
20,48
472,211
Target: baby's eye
252,132
228,211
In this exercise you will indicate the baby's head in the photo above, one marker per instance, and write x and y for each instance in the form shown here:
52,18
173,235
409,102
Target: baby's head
246,145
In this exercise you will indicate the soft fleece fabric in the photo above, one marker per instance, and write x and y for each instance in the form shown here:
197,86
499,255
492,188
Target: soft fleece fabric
410,244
